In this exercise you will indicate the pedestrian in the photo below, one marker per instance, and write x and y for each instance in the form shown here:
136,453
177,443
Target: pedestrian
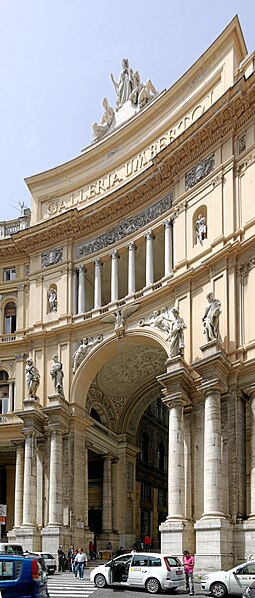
188,561
73,560
147,543
92,555
109,546
69,557
61,559
80,562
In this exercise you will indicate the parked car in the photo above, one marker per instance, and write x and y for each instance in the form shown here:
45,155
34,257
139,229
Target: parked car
9,548
233,581
50,562
151,571
22,577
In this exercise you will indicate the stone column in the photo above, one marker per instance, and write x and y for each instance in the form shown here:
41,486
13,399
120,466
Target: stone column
86,494
19,478
131,268
56,479
56,533
81,290
75,292
114,276
213,530
177,531
30,480
252,479
176,460
149,276
98,284
107,496
212,455
168,224
40,489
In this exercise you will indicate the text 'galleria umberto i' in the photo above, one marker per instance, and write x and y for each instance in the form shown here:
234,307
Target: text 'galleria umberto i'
127,325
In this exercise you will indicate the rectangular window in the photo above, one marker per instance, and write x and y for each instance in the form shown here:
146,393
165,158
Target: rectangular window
4,398
145,492
10,274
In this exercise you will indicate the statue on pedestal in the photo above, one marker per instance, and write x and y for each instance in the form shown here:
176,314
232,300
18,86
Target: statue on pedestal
32,379
211,318
176,336
200,229
52,299
57,375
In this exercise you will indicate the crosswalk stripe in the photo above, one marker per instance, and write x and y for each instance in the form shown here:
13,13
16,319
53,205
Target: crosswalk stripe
64,585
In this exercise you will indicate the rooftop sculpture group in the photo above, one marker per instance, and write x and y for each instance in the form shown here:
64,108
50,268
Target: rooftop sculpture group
128,88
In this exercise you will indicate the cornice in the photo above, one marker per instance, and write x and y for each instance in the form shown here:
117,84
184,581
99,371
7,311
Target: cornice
225,117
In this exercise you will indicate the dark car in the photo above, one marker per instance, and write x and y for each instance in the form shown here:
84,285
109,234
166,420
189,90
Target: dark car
22,577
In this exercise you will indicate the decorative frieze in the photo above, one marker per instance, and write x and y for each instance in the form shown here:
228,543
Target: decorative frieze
202,169
52,257
126,227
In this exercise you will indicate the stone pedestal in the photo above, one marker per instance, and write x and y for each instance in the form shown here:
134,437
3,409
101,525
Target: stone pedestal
53,537
213,542
177,536
29,537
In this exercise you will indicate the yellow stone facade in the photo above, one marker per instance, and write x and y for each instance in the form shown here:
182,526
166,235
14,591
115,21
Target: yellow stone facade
114,243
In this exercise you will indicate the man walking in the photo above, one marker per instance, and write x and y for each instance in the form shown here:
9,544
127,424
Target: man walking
79,563
188,561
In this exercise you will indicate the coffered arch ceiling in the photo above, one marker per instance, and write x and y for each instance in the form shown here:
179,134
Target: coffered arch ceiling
119,369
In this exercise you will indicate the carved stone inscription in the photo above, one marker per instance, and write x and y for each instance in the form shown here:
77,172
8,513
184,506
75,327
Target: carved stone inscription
126,227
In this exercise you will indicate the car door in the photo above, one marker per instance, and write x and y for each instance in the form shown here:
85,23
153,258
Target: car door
138,569
241,577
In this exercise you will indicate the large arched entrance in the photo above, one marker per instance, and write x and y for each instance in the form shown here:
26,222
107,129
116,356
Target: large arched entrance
127,440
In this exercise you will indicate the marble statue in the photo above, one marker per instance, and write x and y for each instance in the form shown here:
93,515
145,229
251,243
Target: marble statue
57,375
142,92
107,120
211,318
176,336
82,350
32,378
52,299
200,229
162,321
125,84
119,317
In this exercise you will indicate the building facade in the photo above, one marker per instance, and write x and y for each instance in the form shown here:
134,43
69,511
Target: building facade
127,408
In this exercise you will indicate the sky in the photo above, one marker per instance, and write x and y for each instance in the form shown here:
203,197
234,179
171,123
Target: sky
56,57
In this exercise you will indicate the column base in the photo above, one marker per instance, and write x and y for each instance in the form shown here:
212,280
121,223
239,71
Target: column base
214,545
177,536
29,537
53,537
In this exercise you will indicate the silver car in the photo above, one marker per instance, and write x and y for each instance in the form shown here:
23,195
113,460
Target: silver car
233,581
148,570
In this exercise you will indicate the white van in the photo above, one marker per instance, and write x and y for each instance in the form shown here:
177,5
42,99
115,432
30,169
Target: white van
9,548
148,570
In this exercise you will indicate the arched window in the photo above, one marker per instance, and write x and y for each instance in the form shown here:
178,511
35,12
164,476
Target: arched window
10,318
4,392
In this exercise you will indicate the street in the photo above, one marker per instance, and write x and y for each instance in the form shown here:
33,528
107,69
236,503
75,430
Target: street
64,585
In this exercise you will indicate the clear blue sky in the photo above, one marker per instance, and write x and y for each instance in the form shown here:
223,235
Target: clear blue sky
56,57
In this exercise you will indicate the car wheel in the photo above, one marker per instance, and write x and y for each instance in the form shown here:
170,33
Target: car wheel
100,581
152,585
218,589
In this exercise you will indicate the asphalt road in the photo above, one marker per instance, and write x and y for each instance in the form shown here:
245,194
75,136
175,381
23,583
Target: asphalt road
117,590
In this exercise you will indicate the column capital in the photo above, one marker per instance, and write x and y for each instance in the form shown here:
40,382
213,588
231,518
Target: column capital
169,222
98,261
81,268
149,235
130,246
114,254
